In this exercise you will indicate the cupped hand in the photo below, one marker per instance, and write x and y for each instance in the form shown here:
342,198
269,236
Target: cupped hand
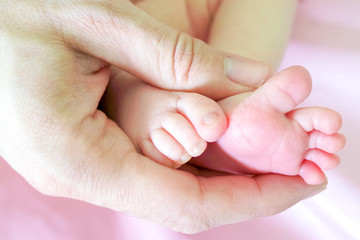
55,59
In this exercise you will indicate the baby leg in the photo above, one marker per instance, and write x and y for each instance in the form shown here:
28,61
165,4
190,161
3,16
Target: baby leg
257,29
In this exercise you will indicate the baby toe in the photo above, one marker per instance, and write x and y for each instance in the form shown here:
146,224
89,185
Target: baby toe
185,134
205,115
167,145
322,119
324,160
328,143
285,90
311,173
149,150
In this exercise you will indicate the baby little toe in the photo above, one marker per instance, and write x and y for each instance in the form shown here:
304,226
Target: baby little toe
311,173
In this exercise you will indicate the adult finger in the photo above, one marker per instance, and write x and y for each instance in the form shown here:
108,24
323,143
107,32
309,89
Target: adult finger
187,203
120,33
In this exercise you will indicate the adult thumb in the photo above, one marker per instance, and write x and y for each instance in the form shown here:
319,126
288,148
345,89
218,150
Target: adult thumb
123,35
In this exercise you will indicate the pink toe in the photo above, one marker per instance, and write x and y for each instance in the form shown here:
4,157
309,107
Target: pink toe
148,149
311,173
324,160
293,85
322,119
284,91
168,146
185,134
328,143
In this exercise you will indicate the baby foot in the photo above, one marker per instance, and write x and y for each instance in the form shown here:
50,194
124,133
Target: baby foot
266,135
168,127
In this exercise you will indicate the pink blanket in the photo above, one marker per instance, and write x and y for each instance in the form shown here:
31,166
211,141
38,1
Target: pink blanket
326,40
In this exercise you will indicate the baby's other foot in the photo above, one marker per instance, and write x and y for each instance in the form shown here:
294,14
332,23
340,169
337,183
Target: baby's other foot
266,135
168,127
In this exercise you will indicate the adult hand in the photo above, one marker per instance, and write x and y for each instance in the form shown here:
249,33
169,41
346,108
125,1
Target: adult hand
54,63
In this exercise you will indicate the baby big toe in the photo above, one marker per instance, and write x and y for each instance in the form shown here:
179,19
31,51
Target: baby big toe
285,90
204,114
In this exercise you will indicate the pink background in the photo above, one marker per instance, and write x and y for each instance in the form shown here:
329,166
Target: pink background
326,40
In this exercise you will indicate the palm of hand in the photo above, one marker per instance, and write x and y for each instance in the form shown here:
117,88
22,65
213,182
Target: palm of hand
57,139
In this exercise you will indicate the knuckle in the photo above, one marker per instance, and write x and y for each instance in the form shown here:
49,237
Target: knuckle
183,58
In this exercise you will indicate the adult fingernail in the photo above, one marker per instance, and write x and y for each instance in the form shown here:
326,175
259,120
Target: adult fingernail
318,189
211,119
246,71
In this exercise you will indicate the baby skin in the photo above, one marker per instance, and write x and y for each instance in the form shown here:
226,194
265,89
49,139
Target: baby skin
261,133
